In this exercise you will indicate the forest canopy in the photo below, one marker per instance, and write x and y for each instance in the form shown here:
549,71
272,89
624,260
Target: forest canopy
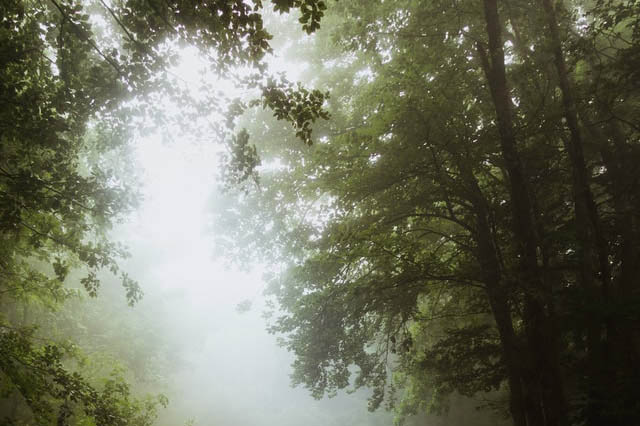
448,200
467,221
78,81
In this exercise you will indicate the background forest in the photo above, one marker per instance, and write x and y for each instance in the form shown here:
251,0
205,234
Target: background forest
441,197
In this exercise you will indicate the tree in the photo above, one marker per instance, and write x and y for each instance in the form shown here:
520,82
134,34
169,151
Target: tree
77,78
455,178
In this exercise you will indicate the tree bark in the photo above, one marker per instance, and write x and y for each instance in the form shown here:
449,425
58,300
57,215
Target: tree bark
521,405
541,335
592,247
623,337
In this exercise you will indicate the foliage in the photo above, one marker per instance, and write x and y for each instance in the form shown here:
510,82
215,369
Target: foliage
78,82
462,220
53,392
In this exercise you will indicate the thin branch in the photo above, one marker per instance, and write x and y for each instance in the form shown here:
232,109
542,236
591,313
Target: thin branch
88,39
52,189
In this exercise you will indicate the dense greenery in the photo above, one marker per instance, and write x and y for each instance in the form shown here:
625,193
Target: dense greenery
458,219
467,220
77,81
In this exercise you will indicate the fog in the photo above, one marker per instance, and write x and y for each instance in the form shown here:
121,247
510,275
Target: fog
216,363
375,176
229,370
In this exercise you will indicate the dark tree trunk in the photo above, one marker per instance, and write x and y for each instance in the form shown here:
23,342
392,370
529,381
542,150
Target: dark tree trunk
497,293
619,370
538,322
592,248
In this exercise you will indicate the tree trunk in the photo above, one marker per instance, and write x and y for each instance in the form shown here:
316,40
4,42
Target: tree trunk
592,247
623,337
541,335
497,293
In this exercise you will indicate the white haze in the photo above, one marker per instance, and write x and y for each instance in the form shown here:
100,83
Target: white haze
230,370
225,368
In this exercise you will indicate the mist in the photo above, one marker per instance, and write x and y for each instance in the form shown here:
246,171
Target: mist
229,369
319,213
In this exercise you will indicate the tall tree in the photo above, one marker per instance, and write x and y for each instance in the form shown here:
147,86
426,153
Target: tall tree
454,178
77,78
